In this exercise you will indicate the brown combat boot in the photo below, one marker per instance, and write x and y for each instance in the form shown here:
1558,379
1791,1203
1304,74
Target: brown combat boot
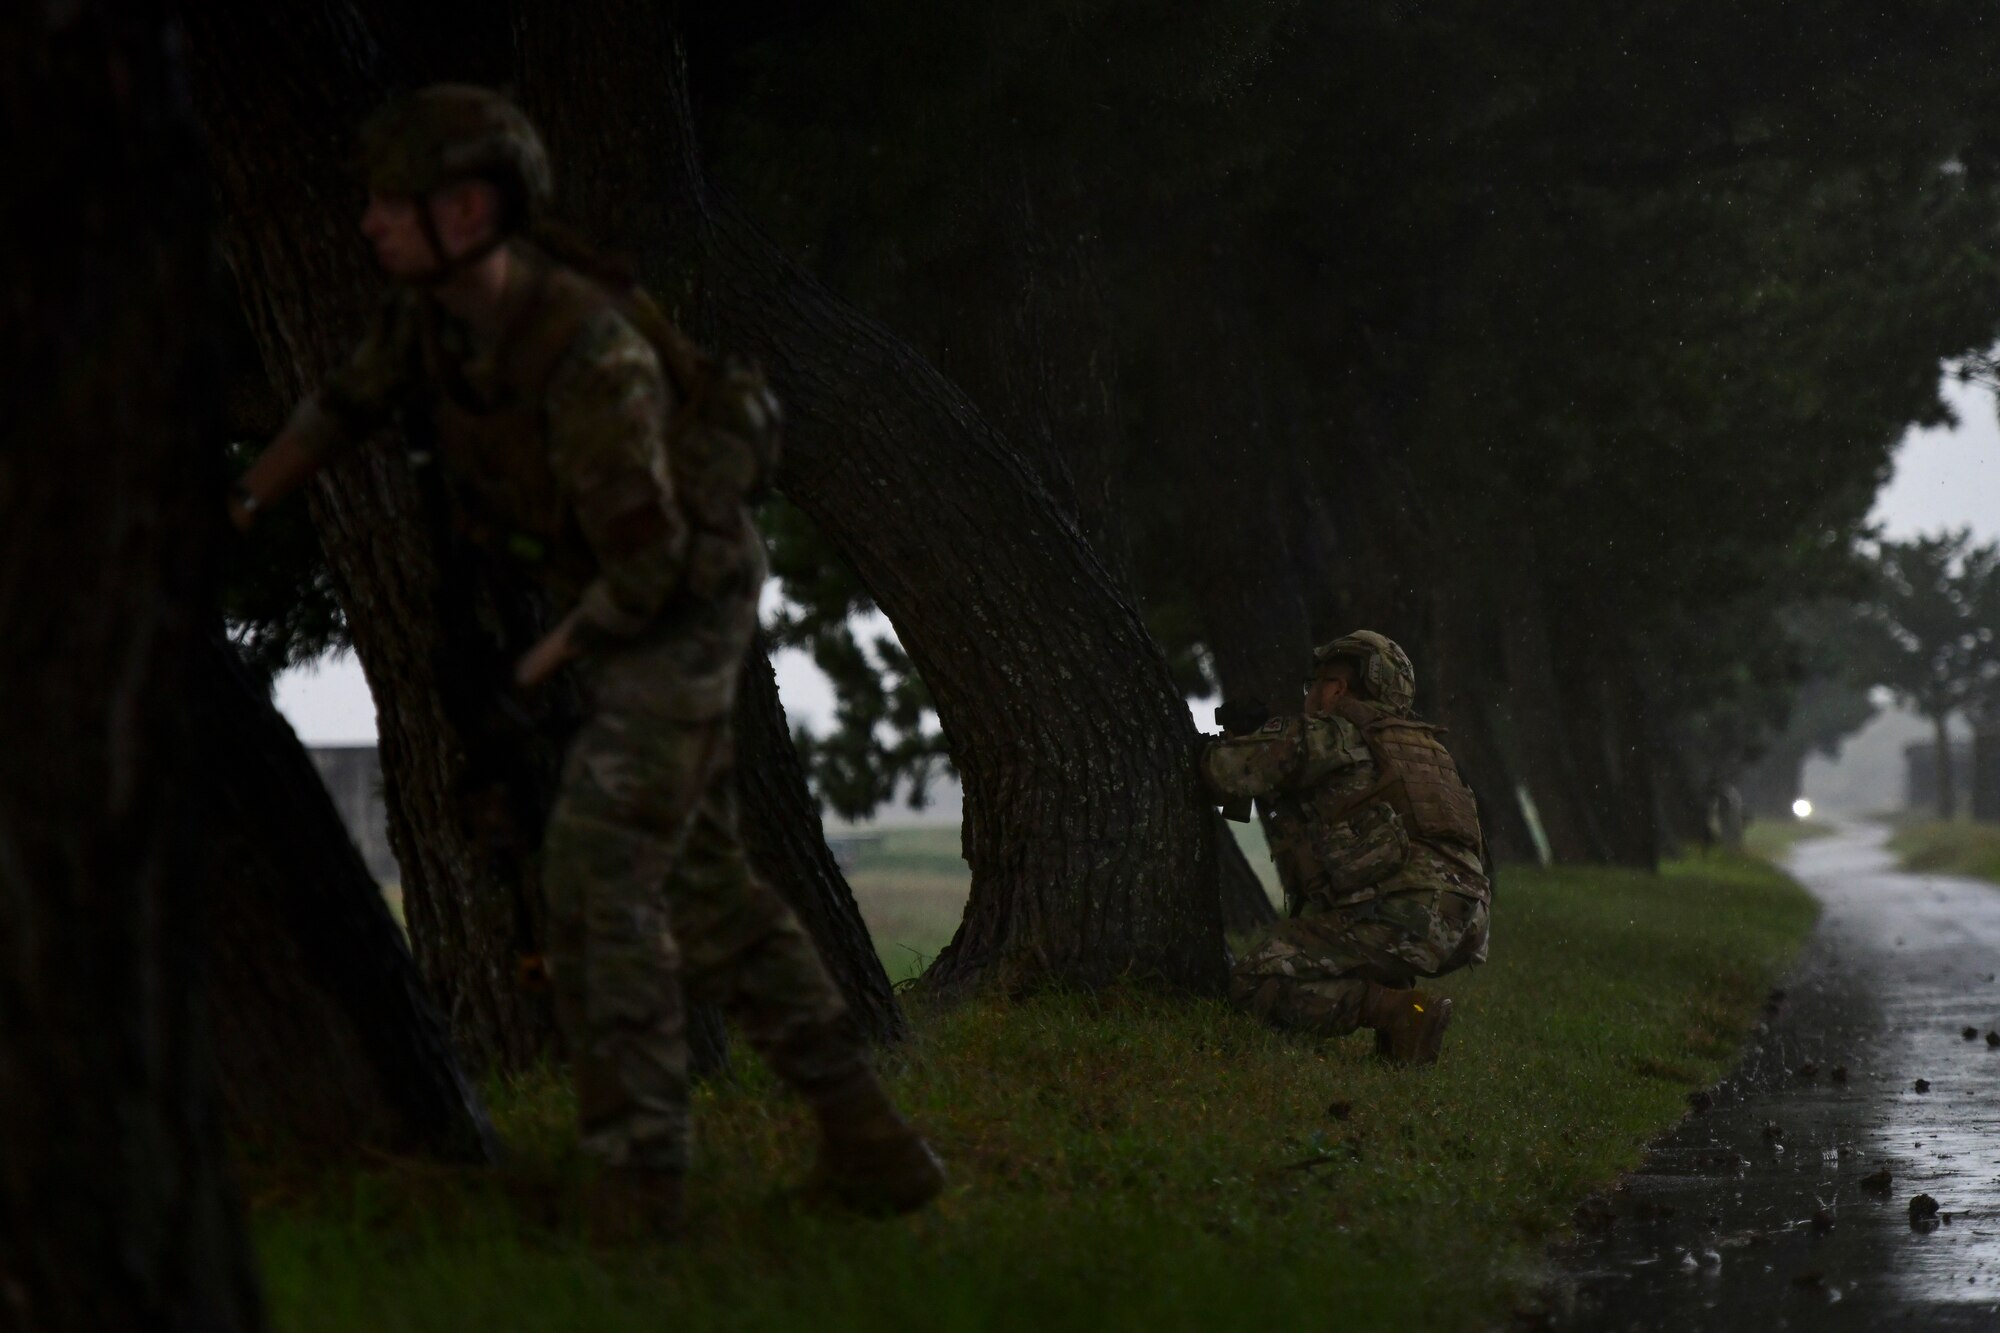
1409,1024
626,1204
870,1159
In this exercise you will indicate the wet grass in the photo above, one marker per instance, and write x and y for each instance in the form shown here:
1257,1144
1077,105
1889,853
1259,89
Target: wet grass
910,884
1771,839
1949,847
1120,1160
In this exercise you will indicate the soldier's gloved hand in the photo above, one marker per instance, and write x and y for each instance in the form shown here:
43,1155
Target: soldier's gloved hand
547,657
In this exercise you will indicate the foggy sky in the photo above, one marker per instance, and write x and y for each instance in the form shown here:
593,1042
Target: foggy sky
1948,478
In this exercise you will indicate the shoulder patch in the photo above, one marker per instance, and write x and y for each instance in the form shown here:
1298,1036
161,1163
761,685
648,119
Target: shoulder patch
1275,724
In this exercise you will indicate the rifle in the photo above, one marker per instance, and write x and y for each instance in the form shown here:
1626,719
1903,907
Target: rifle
1240,717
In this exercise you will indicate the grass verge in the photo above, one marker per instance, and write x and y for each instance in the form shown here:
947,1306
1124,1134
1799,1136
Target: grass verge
1771,839
1954,847
1120,1160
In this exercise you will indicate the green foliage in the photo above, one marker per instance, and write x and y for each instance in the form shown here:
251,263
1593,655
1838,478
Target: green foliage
885,739
277,597
1935,631
1410,301
1119,1160
1789,684
1949,847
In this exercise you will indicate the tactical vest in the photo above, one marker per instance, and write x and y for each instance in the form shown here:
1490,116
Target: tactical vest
1351,840
495,450
720,443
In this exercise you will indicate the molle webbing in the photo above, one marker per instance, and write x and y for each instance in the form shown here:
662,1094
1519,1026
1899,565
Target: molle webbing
498,447
1417,777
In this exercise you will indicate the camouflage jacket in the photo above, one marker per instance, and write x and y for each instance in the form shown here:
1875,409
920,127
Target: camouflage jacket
550,433
1306,772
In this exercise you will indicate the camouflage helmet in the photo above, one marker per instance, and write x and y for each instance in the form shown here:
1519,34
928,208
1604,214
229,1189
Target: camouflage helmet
1383,673
457,132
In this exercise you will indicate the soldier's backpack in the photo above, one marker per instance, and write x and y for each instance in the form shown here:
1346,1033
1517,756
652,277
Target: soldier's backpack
1417,777
726,431
724,440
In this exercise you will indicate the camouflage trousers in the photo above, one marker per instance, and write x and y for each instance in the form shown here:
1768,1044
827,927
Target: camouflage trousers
1312,972
653,904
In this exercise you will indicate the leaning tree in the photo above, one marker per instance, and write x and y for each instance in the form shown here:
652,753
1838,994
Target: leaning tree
1093,851
469,769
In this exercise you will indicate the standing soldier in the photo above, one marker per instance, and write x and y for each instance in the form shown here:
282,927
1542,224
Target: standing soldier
1377,843
619,489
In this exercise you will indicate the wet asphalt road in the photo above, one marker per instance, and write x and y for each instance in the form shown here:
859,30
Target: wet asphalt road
1718,1230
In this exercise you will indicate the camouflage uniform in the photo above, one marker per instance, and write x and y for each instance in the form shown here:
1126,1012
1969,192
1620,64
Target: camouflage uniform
1384,881
551,440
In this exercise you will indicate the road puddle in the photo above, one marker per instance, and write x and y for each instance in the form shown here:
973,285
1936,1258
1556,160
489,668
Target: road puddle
1787,1203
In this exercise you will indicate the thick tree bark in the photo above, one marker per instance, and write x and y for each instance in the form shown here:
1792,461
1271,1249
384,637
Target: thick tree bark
787,845
1093,852
115,1209
281,91
325,1039
1040,367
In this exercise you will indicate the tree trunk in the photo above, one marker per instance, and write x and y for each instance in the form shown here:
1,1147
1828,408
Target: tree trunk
1774,782
1985,794
325,1040
1609,734
1947,785
115,1209
1920,776
787,845
467,780
1466,710
1501,617
1092,848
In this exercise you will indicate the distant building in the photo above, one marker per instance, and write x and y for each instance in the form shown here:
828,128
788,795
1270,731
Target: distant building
353,777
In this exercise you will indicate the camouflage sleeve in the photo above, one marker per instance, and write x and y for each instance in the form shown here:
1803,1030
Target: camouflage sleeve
608,405
1286,752
355,400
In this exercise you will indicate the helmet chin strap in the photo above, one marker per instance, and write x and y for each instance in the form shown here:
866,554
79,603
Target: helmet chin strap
449,267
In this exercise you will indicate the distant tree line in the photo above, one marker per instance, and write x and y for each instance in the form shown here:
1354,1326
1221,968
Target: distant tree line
1930,634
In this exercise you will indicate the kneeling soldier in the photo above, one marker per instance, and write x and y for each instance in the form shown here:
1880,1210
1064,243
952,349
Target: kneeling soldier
1377,842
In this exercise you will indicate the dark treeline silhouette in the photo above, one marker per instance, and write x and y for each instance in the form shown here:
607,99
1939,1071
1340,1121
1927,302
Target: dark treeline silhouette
1571,354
